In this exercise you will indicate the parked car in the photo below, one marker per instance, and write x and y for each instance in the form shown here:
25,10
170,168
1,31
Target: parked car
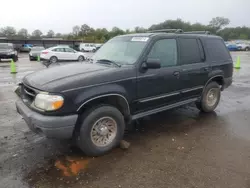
7,51
87,47
26,47
61,53
35,52
232,46
243,46
129,77
98,46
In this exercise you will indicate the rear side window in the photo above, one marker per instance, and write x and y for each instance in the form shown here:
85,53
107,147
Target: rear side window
166,51
190,51
217,50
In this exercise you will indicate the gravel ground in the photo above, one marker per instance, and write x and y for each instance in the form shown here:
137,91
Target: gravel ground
177,148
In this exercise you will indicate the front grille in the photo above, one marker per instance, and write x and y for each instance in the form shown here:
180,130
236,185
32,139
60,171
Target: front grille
28,93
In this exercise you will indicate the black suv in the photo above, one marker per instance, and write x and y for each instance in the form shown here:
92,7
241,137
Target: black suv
130,77
7,51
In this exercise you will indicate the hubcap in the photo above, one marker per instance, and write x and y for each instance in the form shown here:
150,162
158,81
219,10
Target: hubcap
80,58
212,96
104,131
53,60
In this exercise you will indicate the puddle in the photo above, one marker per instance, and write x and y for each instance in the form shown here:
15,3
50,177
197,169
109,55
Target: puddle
71,166
65,169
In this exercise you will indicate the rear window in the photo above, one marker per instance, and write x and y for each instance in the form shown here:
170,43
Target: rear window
190,51
217,50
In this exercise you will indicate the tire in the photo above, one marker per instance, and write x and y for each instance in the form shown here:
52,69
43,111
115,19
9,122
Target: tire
87,138
15,59
210,98
81,58
247,49
53,59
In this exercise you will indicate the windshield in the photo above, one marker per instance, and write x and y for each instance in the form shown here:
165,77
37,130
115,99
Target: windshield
6,46
123,50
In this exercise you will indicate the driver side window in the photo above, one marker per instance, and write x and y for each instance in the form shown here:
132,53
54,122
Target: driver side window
166,51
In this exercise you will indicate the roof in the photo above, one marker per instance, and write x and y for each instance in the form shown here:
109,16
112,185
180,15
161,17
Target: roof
168,34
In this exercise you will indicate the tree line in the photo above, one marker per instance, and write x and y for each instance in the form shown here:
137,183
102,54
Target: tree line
99,35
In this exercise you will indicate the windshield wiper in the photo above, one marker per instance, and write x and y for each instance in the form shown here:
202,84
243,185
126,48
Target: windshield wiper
109,61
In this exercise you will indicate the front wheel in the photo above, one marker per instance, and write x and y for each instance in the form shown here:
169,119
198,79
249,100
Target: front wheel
15,59
101,130
81,58
247,49
210,97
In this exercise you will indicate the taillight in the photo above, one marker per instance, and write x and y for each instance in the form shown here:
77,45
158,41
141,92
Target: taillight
45,52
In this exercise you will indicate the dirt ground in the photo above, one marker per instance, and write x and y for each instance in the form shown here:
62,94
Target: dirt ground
179,148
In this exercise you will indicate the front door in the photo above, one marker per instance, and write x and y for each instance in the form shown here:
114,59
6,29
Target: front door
70,54
194,68
159,87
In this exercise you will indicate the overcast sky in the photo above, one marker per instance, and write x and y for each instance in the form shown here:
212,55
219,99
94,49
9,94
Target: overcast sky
62,15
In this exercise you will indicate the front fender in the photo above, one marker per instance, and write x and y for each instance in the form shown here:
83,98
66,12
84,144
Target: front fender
100,91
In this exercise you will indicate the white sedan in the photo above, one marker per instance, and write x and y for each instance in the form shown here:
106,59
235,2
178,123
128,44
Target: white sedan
61,53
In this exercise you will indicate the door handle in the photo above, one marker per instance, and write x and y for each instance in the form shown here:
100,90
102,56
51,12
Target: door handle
176,74
206,69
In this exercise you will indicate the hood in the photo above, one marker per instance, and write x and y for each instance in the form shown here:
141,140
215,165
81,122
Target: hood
58,78
5,50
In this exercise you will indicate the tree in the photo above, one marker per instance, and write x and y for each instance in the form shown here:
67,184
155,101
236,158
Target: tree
59,35
218,22
76,30
8,31
50,34
23,33
140,29
85,29
37,33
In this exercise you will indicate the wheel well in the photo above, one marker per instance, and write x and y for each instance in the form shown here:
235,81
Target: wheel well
114,100
219,80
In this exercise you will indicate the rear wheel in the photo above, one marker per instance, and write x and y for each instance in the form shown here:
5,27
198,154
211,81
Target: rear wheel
210,97
15,59
81,58
53,59
101,130
247,49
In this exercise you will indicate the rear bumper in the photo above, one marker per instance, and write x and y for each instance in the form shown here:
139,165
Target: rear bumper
60,127
227,82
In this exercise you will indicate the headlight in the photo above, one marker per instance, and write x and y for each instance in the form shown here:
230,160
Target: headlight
10,53
48,102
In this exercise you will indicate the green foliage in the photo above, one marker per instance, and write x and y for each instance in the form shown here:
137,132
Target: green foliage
86,33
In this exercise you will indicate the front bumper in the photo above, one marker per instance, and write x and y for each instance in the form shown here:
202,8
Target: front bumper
60,127
5,56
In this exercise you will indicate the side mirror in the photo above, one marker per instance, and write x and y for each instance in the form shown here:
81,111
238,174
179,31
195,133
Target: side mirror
152,64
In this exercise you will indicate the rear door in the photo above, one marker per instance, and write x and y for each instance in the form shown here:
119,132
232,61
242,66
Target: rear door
194,66
59,53
159,87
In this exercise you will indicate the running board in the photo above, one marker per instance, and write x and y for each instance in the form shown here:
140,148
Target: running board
154,111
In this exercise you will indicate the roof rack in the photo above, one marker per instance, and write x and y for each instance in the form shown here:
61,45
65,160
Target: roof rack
166,31
197,32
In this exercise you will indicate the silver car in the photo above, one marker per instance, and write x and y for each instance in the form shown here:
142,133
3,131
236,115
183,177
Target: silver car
35,52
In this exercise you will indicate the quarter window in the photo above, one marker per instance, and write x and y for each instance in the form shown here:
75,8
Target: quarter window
217,50
166,51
